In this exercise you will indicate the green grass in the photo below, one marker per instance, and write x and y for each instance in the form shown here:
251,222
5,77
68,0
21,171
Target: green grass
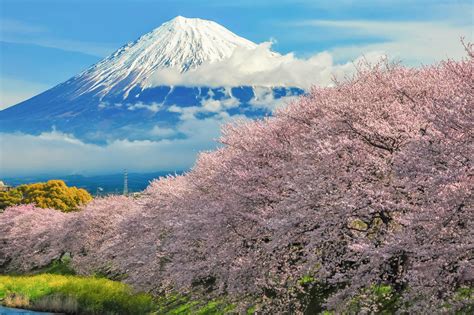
91,295
175,304
72,294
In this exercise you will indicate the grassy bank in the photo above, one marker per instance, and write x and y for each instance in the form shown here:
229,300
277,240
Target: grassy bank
72,294
90,295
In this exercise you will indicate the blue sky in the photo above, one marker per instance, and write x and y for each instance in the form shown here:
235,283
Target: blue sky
44,42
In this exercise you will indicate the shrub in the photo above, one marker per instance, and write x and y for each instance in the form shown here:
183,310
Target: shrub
52,194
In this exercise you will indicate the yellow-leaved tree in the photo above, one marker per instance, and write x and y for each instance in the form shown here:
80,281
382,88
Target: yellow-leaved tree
52,194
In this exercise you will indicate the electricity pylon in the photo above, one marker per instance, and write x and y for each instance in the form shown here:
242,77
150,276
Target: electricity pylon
125,183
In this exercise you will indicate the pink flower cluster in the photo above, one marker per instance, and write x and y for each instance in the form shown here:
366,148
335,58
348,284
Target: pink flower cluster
369,182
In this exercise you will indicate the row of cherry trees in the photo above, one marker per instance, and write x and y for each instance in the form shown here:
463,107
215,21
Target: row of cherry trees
367,183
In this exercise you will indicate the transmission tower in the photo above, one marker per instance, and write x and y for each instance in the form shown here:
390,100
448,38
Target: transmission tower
125,183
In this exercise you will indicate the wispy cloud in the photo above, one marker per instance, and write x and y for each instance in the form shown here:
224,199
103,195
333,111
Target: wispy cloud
19,32
88,48
19,27
413,42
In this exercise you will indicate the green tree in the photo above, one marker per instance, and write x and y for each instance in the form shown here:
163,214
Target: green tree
52,194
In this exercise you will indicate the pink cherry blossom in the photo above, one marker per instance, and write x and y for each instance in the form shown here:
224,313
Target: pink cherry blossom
369,182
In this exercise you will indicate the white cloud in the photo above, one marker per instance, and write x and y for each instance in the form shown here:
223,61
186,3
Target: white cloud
208,105
186,113
57,152
162,132
103,105
215,106
153,107
412,42
212,105
264,98
106,104
259,67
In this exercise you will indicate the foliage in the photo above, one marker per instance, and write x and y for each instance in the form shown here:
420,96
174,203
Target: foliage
52,194
306,279
73,295
312,294
369,182
61,266
464,296
9,198
377,299
176,304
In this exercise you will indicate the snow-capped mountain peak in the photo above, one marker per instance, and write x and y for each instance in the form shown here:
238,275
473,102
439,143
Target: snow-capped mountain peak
181,43
116,99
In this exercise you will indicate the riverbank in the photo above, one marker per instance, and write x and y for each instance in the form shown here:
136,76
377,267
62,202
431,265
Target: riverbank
72,294
69,294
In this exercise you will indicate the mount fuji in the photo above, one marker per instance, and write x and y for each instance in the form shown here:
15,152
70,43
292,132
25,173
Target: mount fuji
118,98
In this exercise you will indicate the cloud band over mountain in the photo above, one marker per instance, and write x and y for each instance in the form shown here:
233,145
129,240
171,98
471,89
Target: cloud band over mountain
262,67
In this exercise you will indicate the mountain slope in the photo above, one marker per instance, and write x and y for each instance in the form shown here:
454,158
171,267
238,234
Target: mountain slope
114,98
181,44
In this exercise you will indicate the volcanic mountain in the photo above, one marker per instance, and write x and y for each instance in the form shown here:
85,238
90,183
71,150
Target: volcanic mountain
117,99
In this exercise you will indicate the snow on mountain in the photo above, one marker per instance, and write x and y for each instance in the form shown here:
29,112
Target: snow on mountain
113,99
181,43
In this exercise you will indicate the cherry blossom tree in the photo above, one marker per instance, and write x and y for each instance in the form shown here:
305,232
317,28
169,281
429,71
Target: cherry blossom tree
365,184
361,184
31,237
